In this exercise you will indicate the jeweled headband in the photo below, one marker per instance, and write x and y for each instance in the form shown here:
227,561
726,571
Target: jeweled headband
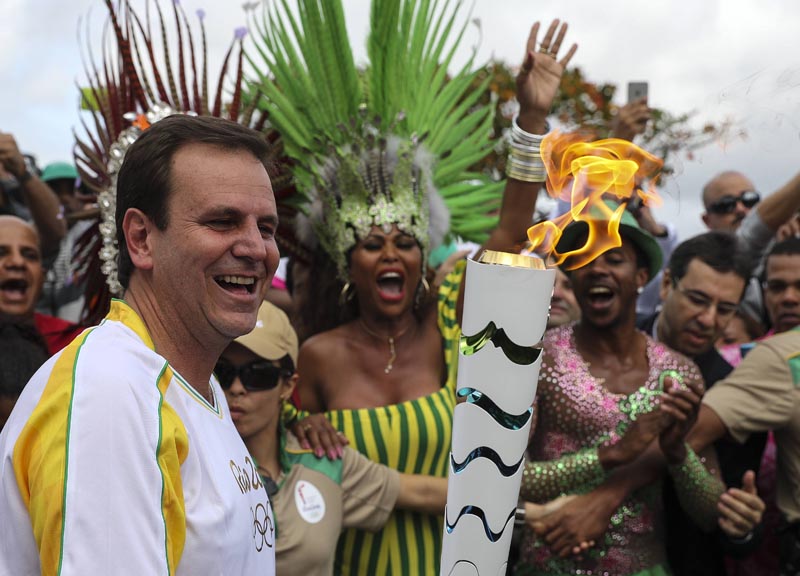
382,184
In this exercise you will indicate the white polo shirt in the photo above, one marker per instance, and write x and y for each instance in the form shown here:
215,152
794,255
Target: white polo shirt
111,463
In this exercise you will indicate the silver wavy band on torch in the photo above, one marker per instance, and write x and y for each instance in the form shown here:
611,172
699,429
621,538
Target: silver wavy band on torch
479,513
488,453
523,355
506,420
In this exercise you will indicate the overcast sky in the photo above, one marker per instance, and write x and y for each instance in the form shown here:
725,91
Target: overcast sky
733,59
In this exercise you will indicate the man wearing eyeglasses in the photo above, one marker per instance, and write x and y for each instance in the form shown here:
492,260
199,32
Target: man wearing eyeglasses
701,288
732,204
763,393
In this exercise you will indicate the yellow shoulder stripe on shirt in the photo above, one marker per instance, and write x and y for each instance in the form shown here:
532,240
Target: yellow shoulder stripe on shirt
41,456
122,312
173,447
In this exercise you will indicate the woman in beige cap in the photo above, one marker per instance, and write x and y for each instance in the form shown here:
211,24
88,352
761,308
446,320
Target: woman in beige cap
312,498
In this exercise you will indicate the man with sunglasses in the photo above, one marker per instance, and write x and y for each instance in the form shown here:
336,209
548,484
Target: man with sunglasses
733,205
701,288
120,456
728,198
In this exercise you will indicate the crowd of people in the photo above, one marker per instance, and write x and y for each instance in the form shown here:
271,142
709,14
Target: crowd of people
234,413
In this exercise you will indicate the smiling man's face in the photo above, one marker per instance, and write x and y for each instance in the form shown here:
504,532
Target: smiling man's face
21,273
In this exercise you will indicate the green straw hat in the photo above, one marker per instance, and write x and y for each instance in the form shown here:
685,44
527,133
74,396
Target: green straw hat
629,229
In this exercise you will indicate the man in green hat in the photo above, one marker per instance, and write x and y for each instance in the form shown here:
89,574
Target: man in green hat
62,177
606,391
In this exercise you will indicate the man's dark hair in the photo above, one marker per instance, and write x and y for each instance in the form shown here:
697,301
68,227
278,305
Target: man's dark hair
719,250
788,247
145,178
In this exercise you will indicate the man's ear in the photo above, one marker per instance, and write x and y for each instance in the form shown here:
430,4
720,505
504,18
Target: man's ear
138,228
704,216
666,284
641,277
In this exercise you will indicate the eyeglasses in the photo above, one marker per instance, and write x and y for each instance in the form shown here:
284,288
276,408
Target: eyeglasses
780,286
727,204
257,375
700,302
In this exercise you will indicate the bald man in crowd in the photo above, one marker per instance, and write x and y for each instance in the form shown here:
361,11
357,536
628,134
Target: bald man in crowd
732,204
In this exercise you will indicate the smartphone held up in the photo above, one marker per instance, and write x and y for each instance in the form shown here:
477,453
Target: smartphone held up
637,91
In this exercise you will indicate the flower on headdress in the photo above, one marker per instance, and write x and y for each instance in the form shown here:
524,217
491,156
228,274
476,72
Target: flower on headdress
141,122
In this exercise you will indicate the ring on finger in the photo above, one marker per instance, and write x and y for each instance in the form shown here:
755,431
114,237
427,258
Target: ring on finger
307,427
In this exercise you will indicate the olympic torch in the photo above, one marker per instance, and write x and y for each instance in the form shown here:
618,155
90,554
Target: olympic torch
506,303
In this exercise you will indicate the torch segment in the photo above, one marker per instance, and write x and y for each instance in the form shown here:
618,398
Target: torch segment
506,304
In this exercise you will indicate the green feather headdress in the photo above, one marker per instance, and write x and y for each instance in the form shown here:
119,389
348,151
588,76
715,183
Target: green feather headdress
390,144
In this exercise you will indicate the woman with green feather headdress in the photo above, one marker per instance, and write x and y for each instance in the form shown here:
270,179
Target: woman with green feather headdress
381,160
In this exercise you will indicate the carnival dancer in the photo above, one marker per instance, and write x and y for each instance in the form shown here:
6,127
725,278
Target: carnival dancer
597,408
382,155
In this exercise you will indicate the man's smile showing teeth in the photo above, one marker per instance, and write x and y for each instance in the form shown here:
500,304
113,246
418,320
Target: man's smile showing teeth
237,283
238,280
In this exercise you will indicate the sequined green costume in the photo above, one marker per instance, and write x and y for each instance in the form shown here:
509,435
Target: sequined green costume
575,414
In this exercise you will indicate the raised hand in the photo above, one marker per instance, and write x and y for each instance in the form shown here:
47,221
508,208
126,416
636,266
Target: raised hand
10,156
631,120
540,76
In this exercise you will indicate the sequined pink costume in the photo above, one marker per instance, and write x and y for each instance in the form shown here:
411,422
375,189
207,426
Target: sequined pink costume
575,414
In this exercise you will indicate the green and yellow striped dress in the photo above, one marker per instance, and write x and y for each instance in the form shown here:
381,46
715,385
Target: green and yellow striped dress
413,437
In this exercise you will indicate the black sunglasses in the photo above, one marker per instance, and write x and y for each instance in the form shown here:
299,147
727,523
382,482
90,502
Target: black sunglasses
727,204
257,375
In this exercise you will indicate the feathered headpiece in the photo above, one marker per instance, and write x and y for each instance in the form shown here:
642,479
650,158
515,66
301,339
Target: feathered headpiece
388,144
136,84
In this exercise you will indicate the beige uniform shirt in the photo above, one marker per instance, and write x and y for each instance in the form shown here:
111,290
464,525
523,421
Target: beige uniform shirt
311,507
763,393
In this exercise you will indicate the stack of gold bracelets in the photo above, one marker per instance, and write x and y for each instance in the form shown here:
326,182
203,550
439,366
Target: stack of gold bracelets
524,158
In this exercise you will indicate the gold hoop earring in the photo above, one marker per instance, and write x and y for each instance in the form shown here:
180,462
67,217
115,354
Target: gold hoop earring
423,292
346,295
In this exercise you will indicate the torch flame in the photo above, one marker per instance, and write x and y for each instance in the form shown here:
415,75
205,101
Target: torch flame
586,173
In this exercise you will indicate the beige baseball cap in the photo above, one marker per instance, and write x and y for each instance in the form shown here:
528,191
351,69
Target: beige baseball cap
273,337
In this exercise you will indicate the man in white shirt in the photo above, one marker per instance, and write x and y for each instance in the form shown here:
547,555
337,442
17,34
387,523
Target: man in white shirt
120,456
